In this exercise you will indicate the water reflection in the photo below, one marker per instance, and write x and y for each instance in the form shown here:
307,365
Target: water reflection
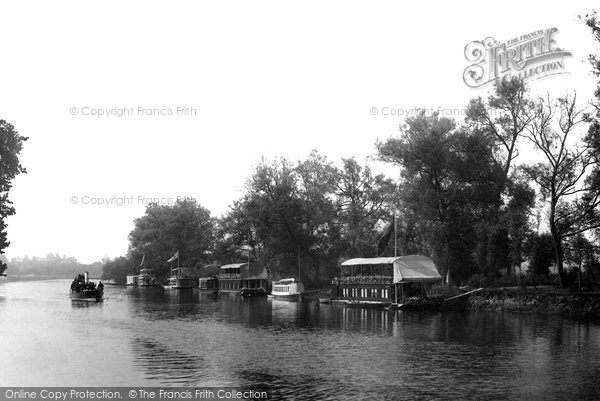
299,349
166,364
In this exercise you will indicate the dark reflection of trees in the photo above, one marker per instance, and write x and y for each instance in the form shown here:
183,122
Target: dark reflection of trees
158,304
245,311
168,365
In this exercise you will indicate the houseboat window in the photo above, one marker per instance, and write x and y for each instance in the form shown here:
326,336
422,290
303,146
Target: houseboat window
387,270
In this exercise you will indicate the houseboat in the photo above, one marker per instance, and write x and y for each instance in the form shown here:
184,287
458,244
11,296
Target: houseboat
288,288
208,284
383,281
82,289
246,279
208,281
132,280
181,279
146,278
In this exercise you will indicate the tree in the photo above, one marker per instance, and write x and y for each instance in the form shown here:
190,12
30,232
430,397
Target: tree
185,227
541,254
361,199
447,182
11,144
117,269
580,253
505,117
593,23
568,178
288,217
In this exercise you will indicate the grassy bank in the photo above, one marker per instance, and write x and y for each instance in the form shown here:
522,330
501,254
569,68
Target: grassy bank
572,304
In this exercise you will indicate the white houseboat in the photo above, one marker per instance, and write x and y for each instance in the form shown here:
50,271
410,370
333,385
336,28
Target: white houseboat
288,288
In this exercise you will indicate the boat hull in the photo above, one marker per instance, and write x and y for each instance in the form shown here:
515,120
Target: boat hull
253,292
180,284
288,297
87,295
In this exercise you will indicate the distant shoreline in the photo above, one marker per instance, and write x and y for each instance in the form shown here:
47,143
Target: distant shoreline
40,277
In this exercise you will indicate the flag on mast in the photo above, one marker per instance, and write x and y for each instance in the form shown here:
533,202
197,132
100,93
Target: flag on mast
143,257
174,257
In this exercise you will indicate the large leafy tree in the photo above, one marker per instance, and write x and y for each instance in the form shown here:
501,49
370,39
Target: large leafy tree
11,144
504,116
447,179
287,217
363,202
300,219
185,227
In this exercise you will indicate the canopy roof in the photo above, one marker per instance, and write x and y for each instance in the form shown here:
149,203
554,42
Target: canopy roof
247,271
386,260
415,268
406,268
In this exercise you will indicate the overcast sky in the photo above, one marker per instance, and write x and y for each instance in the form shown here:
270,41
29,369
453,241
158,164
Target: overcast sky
251,79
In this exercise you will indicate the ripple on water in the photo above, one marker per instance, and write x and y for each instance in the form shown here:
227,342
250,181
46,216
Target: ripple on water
300,350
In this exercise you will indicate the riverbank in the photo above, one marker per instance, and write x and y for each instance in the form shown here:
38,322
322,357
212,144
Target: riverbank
575,305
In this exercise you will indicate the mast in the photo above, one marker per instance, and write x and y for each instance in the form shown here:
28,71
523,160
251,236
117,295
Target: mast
395,255
395,237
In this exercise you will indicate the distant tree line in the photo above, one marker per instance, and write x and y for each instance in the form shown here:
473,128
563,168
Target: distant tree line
462,198
51,265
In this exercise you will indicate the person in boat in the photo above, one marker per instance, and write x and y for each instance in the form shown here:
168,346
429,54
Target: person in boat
100,285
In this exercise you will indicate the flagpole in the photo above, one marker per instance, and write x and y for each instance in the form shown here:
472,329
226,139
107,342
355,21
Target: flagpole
395,256
395,237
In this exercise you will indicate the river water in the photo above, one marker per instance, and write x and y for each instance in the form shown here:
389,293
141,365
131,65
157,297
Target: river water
151,337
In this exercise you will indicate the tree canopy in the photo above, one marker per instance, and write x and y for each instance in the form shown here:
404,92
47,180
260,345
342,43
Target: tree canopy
11,144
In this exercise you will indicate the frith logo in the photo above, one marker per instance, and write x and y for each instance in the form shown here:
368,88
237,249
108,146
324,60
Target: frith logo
530,56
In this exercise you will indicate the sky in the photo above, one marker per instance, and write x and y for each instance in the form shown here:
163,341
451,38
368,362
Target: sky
128,102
